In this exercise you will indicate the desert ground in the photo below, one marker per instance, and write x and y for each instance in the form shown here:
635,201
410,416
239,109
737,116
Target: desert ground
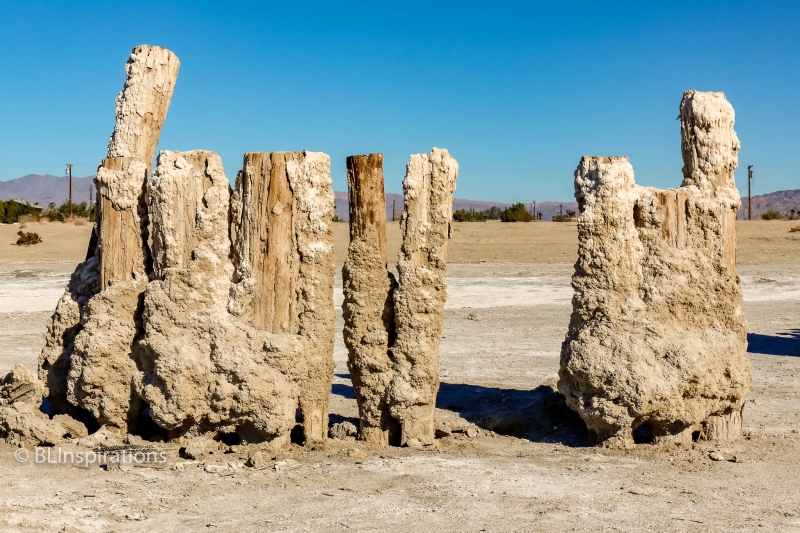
511,457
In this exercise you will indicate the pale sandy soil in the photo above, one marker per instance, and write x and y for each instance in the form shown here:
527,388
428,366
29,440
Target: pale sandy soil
514,278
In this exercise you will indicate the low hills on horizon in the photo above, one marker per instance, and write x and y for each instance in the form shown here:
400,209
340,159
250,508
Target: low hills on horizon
45,189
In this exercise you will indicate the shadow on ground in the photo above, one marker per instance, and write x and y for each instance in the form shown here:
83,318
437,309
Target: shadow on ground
538,415
781,344
345,391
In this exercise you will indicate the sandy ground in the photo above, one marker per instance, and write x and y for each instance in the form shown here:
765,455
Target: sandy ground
507,313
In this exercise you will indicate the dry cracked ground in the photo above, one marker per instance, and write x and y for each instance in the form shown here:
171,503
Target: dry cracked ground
514,459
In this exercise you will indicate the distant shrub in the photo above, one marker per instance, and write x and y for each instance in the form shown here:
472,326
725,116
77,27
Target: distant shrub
772,214
493,213
516,213
61,213
52,216
26,239
462,215
30,218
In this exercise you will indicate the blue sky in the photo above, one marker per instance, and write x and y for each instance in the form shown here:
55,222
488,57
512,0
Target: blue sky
517,92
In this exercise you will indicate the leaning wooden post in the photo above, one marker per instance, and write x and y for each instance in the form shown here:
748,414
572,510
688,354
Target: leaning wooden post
122,177
117,251
103,370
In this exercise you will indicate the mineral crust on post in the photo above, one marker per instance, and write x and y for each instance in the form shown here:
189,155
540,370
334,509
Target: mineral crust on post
421,293
368,307
393,332
657,340
88,359
239,320
203,371
282,238
225,326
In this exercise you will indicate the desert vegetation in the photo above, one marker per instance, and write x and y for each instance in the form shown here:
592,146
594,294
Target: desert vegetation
12,211
516,213
61,213
772,214
569,216
462,215
28,238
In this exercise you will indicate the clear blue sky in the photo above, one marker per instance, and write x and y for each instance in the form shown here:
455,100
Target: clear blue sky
516,92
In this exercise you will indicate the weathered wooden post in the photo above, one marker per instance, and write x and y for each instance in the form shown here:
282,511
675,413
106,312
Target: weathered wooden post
368,307
393,330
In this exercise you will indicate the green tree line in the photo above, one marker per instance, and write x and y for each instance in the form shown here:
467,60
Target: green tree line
514,213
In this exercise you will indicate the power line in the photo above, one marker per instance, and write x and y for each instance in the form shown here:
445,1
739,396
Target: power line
69,172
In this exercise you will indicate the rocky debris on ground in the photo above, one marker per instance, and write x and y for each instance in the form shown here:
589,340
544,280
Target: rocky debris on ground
21,419
657,339
285,465
197,447
343,430
20,385
23,423
74,428
256,460
106,436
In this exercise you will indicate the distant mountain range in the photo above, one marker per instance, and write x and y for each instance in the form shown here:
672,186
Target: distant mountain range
783,201
394,202
44,189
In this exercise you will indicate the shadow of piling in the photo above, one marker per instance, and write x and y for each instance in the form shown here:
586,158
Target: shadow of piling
785,344
538,415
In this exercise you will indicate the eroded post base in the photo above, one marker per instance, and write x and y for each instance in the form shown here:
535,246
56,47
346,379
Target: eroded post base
727,426
315,420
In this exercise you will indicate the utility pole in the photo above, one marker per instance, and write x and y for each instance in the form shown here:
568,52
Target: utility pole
91,203
393,201
749,203
534,210
69,173
561,210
